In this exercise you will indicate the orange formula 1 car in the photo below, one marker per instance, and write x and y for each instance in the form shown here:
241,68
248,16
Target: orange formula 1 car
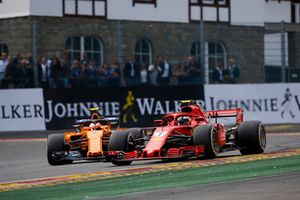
191,132
89,140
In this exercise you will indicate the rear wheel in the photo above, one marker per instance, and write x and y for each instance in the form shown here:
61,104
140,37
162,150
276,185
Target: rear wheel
207,136
56,143
123,141
251,137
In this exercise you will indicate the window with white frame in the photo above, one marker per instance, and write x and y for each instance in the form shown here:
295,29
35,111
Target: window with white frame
92,8
220,2
215,53
143,51
210,10
76,46
274,49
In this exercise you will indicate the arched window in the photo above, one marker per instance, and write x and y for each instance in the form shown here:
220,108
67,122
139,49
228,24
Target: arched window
76,46
214,53
143,51
3,48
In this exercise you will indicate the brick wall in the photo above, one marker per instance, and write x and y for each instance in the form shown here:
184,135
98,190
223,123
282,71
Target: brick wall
174,39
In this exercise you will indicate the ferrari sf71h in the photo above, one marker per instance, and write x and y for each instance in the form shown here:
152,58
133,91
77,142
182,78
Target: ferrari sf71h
192,132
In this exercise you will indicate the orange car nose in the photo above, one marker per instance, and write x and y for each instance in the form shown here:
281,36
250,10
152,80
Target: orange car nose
95,143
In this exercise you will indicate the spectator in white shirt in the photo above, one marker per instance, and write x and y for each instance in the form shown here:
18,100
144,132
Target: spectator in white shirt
43,73
3,64
166,71
144,75
154,69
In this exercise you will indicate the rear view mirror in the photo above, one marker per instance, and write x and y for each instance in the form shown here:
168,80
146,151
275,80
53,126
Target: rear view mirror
157,122
199,119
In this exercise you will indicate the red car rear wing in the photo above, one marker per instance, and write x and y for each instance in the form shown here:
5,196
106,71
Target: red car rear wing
238,113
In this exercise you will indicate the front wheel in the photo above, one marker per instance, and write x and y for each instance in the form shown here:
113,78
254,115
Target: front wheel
123,141
207,136
55,148
251,137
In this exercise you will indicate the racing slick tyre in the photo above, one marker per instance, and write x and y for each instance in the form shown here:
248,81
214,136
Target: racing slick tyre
135,132
123,141
56,143
251,137
207,136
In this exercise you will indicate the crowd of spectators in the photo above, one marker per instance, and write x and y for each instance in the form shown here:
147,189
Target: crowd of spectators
52,72
16,72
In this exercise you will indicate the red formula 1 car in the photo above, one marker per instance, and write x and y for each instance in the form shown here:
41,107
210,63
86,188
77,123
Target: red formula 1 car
188,133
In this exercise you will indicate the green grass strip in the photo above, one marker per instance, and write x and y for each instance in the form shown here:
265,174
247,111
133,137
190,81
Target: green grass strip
159,180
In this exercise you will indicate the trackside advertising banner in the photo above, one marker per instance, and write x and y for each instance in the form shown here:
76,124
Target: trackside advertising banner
269,103
22,110
134,106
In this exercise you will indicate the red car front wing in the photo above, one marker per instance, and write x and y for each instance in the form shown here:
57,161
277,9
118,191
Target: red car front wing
172,153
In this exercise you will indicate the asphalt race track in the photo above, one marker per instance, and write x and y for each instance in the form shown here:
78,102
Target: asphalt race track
25,159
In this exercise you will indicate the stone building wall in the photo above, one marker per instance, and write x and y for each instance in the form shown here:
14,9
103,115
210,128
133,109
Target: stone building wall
17,34
245,44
